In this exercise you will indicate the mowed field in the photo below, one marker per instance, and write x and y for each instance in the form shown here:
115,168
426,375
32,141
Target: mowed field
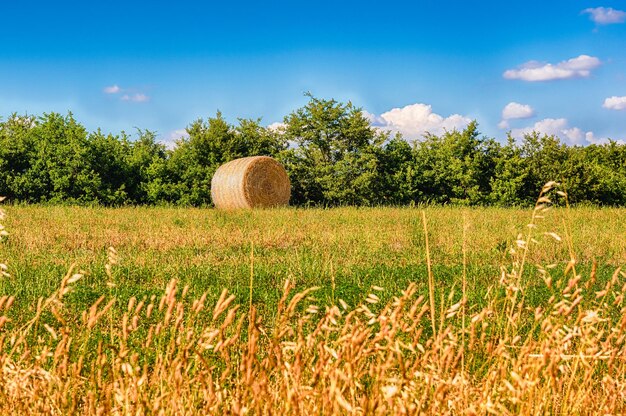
489,333
343,251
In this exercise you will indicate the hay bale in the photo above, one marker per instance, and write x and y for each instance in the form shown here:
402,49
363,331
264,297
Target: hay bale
250,182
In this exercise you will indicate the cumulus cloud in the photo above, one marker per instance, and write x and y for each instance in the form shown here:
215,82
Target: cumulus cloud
558,127
592,139
178,134
113,89
514,111
504,124
615,103
373,118
172,137
135,98
277,126
533,71
605,15
415,120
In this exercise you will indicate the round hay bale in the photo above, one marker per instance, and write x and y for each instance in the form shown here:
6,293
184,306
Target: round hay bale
250,182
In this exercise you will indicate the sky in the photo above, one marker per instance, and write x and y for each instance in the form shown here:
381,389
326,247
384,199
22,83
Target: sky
556,67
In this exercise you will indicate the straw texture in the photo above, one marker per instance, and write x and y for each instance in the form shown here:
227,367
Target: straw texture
250,182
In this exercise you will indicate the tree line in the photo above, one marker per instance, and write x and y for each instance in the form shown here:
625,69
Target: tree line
330,150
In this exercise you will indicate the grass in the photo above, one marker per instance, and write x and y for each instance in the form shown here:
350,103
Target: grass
210,250
508,324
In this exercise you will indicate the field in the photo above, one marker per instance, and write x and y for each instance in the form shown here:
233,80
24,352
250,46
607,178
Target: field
414,310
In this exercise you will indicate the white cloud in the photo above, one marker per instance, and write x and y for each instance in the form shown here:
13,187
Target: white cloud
503,124
130,94
135,98
178,134
558,127
533,71
590,137
277,126
605,15
615,103
515,110
172,137
113,89
373,118
415,120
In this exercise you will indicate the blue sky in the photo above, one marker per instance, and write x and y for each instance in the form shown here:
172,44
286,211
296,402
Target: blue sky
558,67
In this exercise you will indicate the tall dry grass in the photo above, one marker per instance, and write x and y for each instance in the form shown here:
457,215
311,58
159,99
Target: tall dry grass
428,353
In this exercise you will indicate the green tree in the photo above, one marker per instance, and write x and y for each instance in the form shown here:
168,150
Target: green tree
400,181
457,166
334,158
508,182
123,165
16,154
48,160
185,178
596,174
545,157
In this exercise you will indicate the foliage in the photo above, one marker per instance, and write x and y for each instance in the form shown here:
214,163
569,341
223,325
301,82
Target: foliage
456,167
185,176
335,159
332,153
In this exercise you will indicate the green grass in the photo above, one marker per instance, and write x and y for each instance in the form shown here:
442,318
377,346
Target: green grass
344,251
503,345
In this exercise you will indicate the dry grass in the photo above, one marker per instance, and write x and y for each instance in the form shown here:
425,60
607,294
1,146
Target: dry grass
432,353
387,235
250,182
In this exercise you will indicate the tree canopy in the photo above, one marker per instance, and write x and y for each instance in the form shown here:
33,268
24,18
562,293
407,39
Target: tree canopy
332,153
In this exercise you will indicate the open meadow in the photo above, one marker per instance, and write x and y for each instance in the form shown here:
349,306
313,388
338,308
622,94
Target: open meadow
312,208
353,310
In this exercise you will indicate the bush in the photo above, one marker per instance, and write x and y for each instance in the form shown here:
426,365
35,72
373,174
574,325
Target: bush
332,153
